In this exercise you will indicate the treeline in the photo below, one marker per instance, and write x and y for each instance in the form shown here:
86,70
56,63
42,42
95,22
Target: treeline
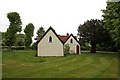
12,39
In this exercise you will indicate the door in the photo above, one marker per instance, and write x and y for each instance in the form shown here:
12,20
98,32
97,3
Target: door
77,49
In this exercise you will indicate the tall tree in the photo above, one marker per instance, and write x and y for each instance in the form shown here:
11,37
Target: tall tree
29,31
93,32
111,17
40,31
20,40
14,27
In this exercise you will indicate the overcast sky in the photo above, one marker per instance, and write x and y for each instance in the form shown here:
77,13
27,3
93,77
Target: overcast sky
63,15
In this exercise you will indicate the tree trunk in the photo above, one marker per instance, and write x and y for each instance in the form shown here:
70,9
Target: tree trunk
9,48
93,48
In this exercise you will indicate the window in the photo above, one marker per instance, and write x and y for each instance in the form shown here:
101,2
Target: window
71,41
50,39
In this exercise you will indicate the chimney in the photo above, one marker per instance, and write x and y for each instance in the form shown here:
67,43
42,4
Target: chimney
67,34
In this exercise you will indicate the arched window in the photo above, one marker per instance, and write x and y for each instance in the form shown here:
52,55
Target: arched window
50,39
71,41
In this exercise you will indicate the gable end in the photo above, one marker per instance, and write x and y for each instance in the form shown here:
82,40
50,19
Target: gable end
73,37
50,28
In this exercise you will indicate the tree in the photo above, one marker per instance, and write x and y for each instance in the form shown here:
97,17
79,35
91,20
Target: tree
34,46
28,41
14,27
20,40
29,31
111,17
40,31
93,32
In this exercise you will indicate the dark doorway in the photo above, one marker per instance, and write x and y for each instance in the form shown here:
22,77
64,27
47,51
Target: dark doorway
77,49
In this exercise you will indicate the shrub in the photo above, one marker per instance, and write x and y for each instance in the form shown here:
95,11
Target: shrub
4,47
34,46
85,47
18,47
66,49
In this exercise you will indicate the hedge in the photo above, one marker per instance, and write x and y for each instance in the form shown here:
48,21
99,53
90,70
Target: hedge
14,47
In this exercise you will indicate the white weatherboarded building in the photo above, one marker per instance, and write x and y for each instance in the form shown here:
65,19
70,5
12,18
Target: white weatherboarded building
51,44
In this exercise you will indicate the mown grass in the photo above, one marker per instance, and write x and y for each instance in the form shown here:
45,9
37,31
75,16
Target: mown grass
24,64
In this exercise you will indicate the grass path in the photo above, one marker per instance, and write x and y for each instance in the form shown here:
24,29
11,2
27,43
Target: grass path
23,64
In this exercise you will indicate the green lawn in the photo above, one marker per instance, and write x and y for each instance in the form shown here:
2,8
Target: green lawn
24,64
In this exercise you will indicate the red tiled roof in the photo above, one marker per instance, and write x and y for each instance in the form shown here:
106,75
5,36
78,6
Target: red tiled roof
63,37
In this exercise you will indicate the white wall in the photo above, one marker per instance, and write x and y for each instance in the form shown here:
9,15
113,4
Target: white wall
73,45
45,48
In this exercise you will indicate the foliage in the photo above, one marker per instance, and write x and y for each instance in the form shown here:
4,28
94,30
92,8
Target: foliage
18,47
66,49
14,27
28,41
13,47
93,32
20,40
111,17
85,47
40,31
34,46
14,19
29,31
108,46
4,47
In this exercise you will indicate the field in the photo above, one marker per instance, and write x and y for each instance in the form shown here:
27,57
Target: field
24,64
